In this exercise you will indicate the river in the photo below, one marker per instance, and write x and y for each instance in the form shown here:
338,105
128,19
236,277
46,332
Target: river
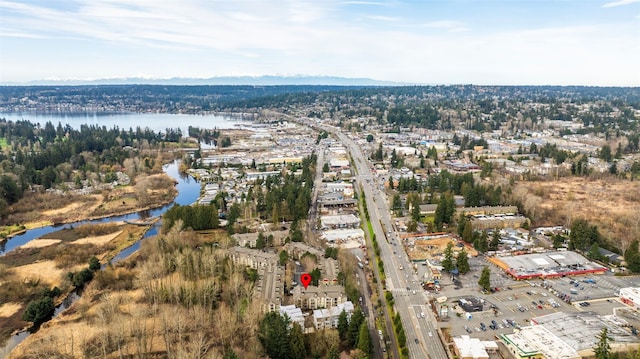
188,192
188,188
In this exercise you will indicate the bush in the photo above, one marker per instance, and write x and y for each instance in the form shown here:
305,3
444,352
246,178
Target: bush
78,279
94,264
39,311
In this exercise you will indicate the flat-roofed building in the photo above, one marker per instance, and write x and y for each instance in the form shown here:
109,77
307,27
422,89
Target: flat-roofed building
537,342
560,334
472,348
340,221
630,296
547,265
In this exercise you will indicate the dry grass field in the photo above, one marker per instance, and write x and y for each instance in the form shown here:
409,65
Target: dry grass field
42,209
611,204
44,263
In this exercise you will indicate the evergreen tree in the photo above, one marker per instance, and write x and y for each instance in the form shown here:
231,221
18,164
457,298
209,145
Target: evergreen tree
632,257
9,190
296,342
483,245
558,241
495,240
343,326
261,243
333,353
447,261
462,222
462,261
415,211
485,279
364,340
467,233
39,310
274,335
357,318
602,349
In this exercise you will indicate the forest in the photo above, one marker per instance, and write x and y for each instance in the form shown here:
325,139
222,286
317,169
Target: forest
37,158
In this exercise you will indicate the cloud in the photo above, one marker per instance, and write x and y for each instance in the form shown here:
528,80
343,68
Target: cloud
448,25
203,38
620,3
383,18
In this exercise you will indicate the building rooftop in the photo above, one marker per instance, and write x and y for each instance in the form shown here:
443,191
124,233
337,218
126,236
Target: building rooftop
547,264
538,339
470,347
580,330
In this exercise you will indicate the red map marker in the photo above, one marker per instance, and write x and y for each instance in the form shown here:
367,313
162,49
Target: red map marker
305,278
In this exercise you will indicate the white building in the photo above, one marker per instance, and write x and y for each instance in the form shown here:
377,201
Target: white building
328,318
294,314
630,296
538,342
340,221
473,348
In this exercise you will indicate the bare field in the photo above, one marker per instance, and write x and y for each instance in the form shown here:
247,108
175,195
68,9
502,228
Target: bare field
9,309
98,240
45,271
613,205
40,243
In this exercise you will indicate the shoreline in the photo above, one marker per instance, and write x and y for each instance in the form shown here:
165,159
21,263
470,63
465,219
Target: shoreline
41,224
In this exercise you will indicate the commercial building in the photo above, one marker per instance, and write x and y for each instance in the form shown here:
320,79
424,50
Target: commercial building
547,265
569,336
340,221
473,348
630,296
537,342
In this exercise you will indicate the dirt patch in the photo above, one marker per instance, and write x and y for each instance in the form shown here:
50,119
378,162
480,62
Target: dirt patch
9,309
40,243
98,240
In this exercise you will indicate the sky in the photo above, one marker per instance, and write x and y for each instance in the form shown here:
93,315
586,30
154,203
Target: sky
488,42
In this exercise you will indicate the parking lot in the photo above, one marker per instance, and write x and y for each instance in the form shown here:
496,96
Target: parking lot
515,302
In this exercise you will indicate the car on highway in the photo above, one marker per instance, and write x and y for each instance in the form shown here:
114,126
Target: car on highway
430,334
417,341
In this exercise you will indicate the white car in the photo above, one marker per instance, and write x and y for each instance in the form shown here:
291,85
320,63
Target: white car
431,335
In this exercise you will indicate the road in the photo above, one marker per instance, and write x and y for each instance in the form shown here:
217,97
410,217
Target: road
313,238
410,299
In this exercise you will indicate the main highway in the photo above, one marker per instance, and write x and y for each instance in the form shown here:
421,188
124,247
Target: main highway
410,299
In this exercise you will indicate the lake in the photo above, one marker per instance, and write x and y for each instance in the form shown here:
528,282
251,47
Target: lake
153,121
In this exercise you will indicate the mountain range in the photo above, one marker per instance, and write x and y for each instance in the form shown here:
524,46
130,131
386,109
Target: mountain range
268,80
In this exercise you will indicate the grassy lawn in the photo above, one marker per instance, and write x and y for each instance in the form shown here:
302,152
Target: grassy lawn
3,142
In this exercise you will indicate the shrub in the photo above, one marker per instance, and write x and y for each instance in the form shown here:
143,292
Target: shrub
39,311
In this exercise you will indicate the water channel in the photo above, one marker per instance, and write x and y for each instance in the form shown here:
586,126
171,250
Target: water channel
188,192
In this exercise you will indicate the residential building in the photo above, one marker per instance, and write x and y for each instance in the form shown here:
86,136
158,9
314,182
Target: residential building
318,297
328,318
253,258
